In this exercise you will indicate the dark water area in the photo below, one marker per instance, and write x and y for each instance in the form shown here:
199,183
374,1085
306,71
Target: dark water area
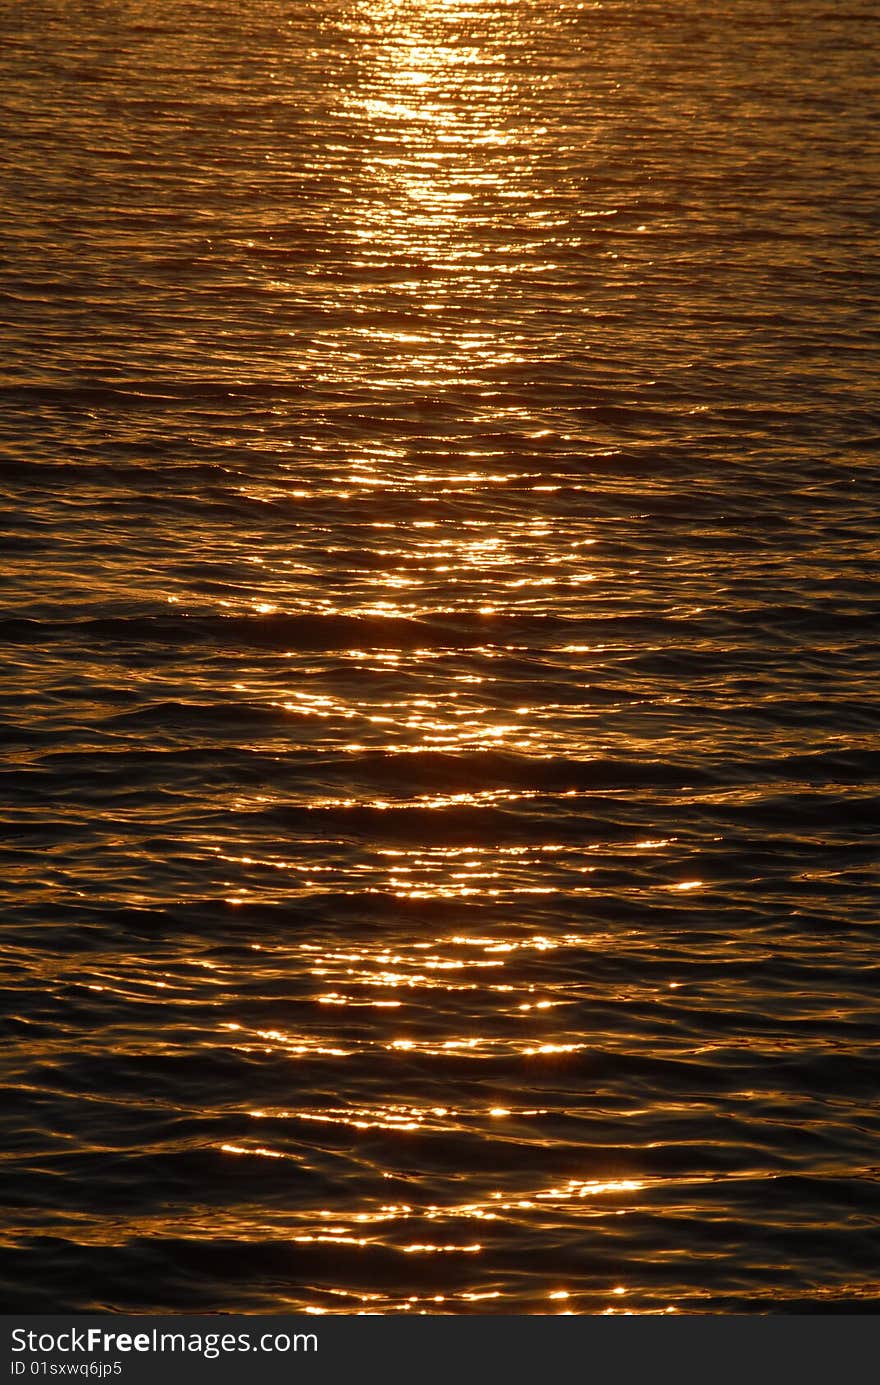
439,529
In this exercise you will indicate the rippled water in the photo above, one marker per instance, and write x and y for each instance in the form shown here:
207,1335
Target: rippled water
440,615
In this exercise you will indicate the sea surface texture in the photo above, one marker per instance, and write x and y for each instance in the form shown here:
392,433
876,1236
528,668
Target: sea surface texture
440,612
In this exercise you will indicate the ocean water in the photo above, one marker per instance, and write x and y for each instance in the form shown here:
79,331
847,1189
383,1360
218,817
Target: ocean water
439,530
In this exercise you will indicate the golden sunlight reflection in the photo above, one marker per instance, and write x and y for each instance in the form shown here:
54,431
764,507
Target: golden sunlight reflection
440,746
482,871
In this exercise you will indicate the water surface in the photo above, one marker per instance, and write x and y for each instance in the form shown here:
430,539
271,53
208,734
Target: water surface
440,533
